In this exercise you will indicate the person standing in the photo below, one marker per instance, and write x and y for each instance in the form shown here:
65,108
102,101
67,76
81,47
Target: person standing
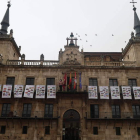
60,84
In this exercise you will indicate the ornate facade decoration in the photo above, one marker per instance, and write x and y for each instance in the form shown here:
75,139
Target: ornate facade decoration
71,59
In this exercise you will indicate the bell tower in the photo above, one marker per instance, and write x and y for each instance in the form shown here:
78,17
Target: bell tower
8,47
71,55
132,49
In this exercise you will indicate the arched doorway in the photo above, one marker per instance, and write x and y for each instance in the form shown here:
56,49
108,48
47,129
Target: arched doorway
71,125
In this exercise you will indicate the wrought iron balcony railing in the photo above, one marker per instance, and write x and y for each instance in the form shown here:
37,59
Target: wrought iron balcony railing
32,114
110,115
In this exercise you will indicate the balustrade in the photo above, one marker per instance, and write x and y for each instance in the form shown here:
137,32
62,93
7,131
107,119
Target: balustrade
56,63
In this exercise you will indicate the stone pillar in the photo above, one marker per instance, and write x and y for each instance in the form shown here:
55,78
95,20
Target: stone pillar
41,59
22,59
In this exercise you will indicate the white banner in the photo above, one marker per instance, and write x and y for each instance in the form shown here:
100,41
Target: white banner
29,91
6,92
92,92
18,90
126,92
136,91
115,92
51,91
40,91
104,92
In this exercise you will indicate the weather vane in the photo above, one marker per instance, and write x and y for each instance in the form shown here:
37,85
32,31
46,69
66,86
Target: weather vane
133,3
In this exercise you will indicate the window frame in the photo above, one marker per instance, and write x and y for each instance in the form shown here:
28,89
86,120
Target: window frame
95,130
47,130
3,129
93,82
27,110
24,129
10,81
138,131
136,111
94,111
116,111
30,81
48,113
52,81
113,81
118,131
132,82
7,110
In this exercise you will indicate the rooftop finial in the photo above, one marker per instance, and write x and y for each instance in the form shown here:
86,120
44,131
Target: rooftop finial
5,22
9,3
133,2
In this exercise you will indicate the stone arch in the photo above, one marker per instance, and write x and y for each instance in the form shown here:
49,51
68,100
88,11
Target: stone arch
71,125
71,114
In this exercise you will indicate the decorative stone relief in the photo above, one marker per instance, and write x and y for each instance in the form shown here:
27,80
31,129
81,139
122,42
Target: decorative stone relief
71,59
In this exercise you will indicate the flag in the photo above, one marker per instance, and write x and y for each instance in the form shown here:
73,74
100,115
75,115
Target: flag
64,81
80,83
70,82
75,81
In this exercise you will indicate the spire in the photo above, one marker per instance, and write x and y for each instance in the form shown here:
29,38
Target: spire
5,22
136,23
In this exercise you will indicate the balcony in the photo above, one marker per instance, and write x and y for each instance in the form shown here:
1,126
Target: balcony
30,115
109,115
77,90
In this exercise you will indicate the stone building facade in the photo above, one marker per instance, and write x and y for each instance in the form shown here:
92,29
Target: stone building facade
71,115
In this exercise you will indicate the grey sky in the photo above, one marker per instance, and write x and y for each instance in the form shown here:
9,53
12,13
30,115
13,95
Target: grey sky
41,26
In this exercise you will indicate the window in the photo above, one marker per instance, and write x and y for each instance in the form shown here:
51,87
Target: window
132,82
50,81
95,130
29,81
24,130
94,111
93,82
47,129
136,111
48,110
138,130
113,82
116,111
10,81
5,110
118,131
27,110
3,128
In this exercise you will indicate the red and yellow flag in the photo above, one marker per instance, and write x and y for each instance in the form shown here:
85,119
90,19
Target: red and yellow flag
70,80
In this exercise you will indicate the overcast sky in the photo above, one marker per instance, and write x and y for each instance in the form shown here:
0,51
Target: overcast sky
42,26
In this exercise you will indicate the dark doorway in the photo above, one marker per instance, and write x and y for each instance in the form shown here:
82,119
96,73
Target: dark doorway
71,125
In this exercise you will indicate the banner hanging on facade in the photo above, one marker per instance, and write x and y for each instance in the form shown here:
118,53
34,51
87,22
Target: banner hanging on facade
92,92
136,91
18,90
126,91
115,92
51,91
40,91
6,92
29,91
104,92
